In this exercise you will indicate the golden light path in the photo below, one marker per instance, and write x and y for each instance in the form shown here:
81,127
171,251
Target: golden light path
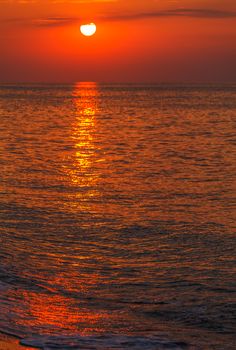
81,172
88,29
52,312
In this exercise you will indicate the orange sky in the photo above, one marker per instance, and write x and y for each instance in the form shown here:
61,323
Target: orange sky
136,41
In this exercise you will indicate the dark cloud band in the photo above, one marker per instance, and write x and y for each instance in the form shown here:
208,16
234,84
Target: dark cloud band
191,13
199,13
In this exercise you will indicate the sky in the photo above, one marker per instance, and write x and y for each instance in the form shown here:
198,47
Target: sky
136,41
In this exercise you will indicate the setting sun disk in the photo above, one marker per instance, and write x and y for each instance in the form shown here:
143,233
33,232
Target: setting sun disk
88,29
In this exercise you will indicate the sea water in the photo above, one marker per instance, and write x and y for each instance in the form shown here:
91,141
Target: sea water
117,216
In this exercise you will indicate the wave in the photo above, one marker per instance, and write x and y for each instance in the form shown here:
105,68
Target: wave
103,342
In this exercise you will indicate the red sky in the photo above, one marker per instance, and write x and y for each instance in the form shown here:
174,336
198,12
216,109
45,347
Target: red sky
136,41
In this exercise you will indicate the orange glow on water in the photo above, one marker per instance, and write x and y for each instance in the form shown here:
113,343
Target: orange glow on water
84,125
80,169
10,343
56,311
146,175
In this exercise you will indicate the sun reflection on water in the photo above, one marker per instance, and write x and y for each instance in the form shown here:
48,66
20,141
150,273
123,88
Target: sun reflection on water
50,313
86,107
81,169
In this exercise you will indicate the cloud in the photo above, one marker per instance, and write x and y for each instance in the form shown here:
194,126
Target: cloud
198,13
26,2
53,21
184,12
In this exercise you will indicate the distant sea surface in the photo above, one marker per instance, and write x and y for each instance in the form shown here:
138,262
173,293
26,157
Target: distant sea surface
117,216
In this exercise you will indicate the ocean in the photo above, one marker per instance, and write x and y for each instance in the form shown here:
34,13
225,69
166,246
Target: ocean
117,216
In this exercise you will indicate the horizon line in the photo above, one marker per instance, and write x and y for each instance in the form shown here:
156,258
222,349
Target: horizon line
114,82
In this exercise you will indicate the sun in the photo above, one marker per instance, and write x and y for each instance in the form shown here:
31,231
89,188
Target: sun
88,29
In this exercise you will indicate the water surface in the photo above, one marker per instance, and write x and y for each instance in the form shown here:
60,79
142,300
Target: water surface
117,210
